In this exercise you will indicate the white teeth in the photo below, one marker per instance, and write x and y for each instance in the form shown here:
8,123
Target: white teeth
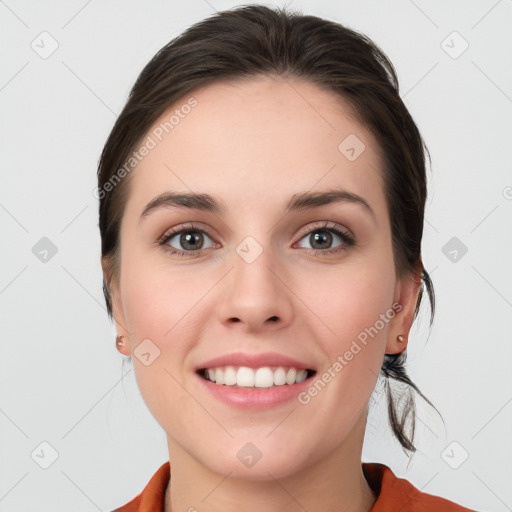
280,376
230,376
244,377
290,376
301,375
264,377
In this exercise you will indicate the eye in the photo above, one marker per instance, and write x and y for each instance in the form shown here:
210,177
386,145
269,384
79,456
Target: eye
321,239
189,240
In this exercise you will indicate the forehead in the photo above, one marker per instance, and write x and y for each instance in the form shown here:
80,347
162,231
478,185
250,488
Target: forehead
258,138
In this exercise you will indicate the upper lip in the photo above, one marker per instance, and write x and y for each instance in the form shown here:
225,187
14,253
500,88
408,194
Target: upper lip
254,361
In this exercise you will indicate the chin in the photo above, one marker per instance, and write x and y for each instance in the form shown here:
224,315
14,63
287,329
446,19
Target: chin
259,460
276,466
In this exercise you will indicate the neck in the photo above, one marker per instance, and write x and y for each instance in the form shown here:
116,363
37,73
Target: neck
333,484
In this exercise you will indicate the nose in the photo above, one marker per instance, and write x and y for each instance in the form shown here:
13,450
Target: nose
256,295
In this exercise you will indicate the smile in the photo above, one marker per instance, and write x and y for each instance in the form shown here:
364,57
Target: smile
263,377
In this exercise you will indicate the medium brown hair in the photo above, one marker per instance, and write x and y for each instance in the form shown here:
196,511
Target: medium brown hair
256,40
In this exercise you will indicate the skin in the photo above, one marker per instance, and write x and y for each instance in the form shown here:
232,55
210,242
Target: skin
252,144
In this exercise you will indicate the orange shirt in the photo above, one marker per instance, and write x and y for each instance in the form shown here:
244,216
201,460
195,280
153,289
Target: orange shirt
393,494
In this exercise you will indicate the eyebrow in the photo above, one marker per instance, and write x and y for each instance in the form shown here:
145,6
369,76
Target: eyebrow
298,202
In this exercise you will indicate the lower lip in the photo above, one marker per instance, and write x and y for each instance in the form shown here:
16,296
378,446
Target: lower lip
255,398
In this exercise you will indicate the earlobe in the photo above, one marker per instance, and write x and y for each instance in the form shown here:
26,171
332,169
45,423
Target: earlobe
116,305
399,344
406,294
122,344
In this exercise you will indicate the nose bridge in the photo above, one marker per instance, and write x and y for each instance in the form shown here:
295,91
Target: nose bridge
255,294
252,276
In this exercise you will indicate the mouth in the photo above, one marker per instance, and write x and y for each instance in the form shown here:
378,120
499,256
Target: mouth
262,377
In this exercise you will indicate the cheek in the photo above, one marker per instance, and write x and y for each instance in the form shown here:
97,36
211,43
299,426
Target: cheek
156,295
346,299
166,305
354,307
155,303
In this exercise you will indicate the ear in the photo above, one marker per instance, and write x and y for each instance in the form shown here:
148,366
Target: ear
404,304
112,283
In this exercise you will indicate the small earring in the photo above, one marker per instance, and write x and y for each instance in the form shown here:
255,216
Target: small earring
120,341
400,338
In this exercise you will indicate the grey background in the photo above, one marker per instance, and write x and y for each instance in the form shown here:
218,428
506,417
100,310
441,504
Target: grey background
60,374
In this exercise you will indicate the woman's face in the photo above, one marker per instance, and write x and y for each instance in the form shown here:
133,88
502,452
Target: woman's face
271,284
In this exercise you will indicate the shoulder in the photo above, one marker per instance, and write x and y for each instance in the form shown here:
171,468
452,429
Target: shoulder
151,499
392,491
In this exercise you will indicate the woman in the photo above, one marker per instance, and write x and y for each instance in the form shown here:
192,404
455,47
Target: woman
261,211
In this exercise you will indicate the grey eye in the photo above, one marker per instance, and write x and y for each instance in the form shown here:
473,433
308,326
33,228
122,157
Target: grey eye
321,239
190,240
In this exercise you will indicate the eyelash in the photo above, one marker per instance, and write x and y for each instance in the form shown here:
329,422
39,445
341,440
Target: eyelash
348,240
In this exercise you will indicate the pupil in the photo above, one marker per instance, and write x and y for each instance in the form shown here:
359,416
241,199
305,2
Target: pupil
187,240
321,237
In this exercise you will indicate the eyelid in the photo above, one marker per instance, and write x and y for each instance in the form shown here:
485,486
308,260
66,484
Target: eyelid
325,224
188,226
348,240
